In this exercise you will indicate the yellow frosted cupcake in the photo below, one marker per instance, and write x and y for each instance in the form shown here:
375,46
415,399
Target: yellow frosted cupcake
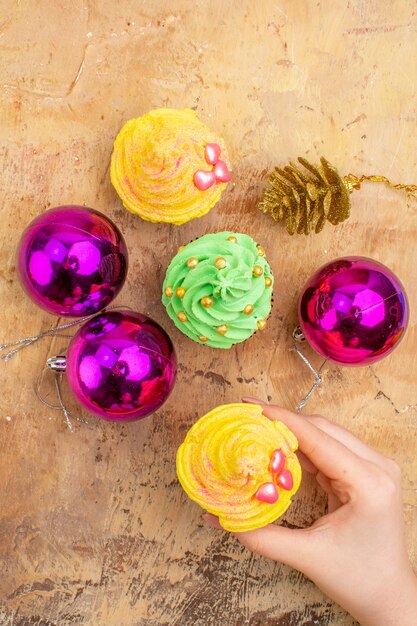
167,166
240,466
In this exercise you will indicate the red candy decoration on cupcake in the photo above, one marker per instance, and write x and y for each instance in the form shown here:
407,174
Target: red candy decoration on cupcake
268,492
220,173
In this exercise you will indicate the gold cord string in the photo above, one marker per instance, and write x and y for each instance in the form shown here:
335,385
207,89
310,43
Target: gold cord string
353,182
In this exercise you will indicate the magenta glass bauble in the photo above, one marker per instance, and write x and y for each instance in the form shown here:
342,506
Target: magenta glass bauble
353,311
121,365
72,261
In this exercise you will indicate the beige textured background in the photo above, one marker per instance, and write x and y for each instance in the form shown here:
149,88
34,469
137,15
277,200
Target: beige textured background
94,527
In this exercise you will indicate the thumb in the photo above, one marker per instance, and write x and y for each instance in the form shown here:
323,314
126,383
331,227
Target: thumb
292,547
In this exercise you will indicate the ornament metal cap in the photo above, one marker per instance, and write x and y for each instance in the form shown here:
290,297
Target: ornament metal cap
57,363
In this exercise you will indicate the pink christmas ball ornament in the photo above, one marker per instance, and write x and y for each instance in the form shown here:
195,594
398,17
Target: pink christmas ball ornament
353,311
72,261
121,365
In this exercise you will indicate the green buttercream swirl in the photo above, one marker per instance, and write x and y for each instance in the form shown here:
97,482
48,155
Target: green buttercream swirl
231,289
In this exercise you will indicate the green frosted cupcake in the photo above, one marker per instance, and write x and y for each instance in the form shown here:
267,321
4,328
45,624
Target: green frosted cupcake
218,289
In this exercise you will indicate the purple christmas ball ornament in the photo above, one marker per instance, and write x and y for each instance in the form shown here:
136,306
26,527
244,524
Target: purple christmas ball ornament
121,365
354,311
72,261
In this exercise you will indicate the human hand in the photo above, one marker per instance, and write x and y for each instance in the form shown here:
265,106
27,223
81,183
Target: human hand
356,553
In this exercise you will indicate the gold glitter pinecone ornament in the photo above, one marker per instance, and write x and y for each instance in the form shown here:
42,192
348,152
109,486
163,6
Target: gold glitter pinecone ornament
304,199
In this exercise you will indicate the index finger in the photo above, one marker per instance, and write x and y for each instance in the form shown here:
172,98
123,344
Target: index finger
329,455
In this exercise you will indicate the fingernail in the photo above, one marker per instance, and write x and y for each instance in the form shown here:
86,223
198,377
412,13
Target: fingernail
211,521
251,400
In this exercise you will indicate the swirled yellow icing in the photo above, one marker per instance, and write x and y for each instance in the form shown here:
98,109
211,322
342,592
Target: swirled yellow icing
154,161
226,457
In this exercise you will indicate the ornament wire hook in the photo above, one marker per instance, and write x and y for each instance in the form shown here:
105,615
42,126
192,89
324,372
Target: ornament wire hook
298,337
61,402
61,406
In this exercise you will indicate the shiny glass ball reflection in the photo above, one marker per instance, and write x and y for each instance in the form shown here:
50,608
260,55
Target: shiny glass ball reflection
72,261
121,365
354,311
